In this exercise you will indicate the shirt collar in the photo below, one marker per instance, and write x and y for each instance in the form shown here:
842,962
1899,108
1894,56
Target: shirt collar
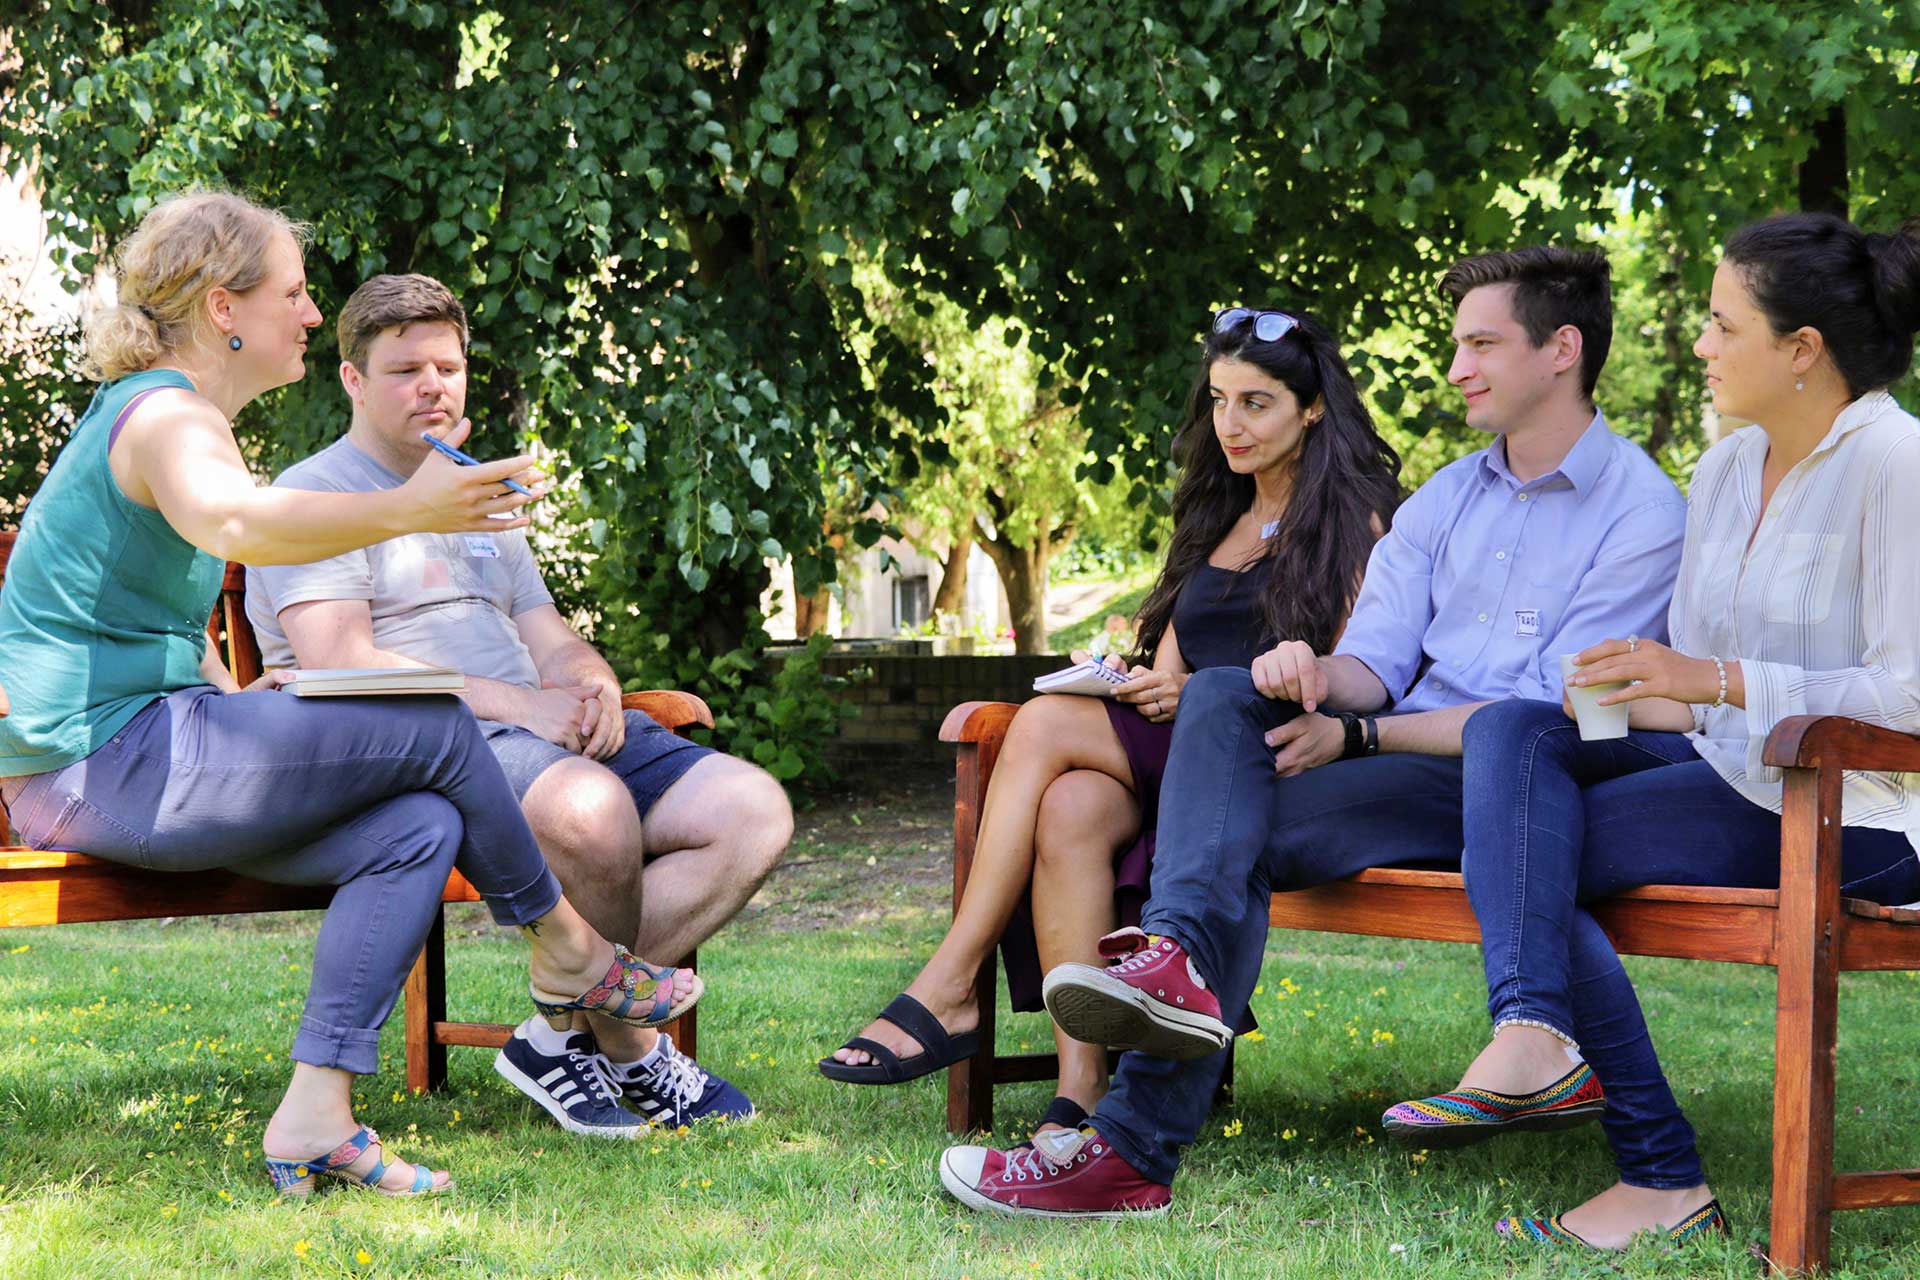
1867,409
1581,467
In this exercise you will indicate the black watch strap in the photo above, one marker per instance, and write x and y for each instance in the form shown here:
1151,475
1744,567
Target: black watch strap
1372,727
1356,736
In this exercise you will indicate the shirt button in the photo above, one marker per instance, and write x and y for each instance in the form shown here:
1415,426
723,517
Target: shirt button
1483,617
1499,555
1521,496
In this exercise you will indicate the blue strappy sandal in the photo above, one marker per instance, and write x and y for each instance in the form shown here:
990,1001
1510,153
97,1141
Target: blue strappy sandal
302,1177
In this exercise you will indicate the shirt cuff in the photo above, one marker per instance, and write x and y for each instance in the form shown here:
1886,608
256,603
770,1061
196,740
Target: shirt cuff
1775,690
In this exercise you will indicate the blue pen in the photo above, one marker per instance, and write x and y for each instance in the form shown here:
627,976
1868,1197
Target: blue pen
466,461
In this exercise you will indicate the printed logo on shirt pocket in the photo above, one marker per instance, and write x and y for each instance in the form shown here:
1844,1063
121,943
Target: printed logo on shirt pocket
1800,582
81,828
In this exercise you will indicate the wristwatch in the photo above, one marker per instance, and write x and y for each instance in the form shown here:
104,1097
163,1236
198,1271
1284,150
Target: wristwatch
1362,736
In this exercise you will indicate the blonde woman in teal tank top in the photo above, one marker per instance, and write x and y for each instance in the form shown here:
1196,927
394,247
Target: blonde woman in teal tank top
127,738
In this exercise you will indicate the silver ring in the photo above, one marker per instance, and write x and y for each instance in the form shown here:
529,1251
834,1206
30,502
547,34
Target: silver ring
1633,644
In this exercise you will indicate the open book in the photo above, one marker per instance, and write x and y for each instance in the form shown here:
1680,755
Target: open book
336,682
1092,677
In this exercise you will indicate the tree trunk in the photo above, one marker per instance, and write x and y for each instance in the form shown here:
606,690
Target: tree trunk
951,598
810,613
1678,371
1023,572
1823,174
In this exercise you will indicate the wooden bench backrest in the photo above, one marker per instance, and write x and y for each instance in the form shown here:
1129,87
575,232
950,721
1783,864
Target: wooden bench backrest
228,627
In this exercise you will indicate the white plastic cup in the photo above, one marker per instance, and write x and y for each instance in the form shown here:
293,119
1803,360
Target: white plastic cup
1596,722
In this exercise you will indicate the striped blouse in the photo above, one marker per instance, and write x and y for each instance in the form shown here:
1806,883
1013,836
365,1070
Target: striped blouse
1823,610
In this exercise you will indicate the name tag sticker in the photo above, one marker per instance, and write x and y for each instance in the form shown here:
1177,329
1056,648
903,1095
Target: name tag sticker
481,546
1526,622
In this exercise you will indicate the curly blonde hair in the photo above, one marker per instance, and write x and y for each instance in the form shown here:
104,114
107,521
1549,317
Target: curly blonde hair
188,245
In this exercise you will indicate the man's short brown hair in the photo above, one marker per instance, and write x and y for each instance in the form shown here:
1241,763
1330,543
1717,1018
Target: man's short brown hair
1552,286
386,301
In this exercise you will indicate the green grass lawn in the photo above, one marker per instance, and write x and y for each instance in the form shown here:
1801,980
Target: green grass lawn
139,1061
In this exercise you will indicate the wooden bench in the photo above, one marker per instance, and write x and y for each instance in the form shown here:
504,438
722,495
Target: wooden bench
71,888
1805,930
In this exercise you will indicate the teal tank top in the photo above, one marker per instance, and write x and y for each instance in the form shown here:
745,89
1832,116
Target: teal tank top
104,607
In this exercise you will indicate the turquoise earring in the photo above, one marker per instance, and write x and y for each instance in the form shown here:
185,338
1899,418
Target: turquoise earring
234,342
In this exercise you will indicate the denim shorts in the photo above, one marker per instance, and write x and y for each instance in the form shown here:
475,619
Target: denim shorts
652,759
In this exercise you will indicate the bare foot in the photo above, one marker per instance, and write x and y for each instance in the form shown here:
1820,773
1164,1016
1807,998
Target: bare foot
1518,1061
310,1138
954,1007
1611,1219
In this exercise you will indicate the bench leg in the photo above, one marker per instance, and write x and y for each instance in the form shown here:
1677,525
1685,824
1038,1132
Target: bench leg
1806,1021
685,1029
426,1004
970,1083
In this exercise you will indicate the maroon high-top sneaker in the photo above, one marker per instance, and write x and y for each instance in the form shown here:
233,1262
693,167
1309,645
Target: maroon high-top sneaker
1151,999
1066,1173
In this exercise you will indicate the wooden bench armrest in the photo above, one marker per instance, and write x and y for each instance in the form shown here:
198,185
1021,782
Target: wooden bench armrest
978,722
672,708
1835,742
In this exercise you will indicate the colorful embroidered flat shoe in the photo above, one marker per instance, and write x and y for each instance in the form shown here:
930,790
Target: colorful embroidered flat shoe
622,994
1706,1220
1472,1115
302,1177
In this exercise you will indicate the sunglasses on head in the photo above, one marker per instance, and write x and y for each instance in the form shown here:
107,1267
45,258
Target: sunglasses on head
1268,326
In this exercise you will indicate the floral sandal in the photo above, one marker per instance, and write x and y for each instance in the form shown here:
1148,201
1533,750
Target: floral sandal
622,995
302,1177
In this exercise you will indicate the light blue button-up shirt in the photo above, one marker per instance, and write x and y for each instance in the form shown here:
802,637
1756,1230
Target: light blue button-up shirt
1483,582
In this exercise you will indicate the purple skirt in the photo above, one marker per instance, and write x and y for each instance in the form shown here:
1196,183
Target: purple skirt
1146,745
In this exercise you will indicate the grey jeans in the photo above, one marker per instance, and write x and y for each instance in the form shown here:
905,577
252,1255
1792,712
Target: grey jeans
381,797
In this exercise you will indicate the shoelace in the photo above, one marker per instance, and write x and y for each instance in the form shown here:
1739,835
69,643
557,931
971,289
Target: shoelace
1139,959
676,1075
1028,1164
598,1072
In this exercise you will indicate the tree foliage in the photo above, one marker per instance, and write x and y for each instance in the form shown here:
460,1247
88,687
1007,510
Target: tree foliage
653,211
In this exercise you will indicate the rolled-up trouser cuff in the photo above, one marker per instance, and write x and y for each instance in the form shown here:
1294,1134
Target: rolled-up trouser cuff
1538,1025
525,905
355,1049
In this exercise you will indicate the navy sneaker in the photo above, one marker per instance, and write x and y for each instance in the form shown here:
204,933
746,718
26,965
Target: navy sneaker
672,1090
574,1087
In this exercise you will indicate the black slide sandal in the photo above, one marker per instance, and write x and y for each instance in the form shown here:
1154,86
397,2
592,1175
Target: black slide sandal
937,1048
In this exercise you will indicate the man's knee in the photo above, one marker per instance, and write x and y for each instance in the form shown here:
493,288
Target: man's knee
763,821
1216,690
581,812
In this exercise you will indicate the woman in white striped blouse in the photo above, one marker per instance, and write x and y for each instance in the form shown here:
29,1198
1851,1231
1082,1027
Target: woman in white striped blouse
1799,592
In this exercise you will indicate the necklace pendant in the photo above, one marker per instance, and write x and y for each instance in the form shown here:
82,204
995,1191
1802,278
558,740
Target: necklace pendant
1270,528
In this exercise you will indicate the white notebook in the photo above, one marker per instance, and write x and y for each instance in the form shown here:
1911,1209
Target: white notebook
1093,678
340,681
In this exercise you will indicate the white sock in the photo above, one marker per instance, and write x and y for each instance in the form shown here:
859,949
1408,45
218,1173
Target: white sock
544,1038
647,1059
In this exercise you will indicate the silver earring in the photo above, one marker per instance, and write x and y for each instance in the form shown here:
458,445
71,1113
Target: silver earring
234,342
1798,384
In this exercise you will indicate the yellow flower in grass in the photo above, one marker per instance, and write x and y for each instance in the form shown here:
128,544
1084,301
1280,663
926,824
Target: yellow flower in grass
1288,1135
362,1257
1232,1129
302,1248
1253,1037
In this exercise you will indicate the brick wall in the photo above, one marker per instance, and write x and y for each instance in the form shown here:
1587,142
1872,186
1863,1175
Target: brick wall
902,705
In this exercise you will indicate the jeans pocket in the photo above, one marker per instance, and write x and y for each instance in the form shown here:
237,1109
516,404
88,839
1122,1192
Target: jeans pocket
80,827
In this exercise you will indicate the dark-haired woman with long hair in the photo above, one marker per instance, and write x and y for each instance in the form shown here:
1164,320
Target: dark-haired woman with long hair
1798,593
1284,488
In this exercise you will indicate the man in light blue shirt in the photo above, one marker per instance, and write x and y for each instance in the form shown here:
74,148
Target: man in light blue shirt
1311,767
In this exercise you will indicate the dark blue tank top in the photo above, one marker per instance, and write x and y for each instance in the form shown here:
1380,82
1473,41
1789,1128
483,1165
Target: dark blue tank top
1217,617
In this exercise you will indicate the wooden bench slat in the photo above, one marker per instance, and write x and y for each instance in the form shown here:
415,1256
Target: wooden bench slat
1876,1190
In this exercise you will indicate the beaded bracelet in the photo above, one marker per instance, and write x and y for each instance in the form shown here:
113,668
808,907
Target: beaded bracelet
1721,667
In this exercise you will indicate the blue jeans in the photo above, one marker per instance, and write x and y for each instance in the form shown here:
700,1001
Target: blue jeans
1230,833
1553,823
381,797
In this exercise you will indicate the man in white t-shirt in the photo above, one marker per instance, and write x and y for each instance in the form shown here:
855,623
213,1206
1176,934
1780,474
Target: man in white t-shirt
658,840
